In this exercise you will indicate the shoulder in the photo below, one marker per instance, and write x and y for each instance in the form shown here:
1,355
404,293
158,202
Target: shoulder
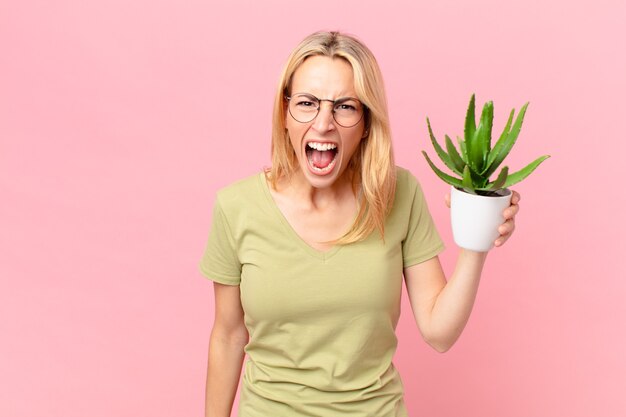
409,204
242,198
406,182
409,193
245,188
243,204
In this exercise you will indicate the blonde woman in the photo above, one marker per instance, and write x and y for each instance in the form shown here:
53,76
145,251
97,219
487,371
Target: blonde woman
307,258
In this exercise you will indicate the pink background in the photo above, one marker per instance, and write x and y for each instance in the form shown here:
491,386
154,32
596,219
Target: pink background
120,119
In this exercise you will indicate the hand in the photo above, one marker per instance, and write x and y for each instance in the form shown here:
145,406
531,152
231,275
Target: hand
506,229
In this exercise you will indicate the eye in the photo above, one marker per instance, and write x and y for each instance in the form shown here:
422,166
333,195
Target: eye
305,102
346,106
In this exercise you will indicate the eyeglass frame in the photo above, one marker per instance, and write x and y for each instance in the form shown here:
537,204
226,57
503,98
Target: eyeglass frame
333,102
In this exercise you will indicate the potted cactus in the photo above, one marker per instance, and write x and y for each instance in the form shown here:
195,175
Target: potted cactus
476,201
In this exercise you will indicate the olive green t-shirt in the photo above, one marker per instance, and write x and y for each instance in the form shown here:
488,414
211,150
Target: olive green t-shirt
321,324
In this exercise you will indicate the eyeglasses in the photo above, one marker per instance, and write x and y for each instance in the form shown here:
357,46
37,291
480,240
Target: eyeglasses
347,111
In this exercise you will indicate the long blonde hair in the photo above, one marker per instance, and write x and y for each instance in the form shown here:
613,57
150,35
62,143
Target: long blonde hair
374,179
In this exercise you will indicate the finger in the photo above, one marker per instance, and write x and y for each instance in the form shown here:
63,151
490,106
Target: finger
510,212
447,200
501,240
506,228
516,197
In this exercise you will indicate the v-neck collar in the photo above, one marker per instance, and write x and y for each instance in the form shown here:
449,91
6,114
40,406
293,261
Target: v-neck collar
323,255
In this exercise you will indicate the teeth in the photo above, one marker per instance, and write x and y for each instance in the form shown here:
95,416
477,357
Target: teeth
321,146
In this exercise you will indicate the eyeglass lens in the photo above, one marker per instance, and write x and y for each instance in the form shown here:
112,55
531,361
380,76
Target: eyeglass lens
347,112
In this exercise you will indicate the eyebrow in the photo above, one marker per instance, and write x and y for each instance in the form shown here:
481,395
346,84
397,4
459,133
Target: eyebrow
339,99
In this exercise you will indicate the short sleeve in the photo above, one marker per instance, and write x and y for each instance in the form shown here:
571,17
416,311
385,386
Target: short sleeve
220,262
422,240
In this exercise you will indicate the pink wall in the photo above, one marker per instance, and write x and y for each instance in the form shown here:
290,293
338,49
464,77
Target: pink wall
119,120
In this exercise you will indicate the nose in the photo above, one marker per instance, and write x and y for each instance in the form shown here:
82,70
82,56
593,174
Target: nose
324,121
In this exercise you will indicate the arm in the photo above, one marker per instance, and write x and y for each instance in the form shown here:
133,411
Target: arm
441,308
226,353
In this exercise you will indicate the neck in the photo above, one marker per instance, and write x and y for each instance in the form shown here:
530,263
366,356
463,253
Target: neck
298,188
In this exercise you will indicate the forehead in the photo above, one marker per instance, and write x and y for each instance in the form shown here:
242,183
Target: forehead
324,77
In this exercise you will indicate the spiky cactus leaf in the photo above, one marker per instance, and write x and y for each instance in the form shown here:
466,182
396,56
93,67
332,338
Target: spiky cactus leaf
470,119
490,167
445,177
470,133
511,137
455,158
464,155
481,142
524,172
466,161
441,153
500,180
484,140
468,184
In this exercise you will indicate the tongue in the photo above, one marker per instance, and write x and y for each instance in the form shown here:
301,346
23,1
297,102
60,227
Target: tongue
321,159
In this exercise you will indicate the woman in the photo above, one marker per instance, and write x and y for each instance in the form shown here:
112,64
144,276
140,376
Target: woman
314,249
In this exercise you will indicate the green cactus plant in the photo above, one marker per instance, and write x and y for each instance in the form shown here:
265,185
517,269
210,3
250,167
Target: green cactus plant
477,160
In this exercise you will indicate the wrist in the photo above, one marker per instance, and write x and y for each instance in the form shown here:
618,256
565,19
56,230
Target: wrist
473,255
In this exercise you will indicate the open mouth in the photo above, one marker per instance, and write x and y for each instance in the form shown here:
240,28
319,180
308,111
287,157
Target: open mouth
322,156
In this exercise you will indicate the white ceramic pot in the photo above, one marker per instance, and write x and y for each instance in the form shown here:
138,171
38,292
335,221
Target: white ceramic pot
476,218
